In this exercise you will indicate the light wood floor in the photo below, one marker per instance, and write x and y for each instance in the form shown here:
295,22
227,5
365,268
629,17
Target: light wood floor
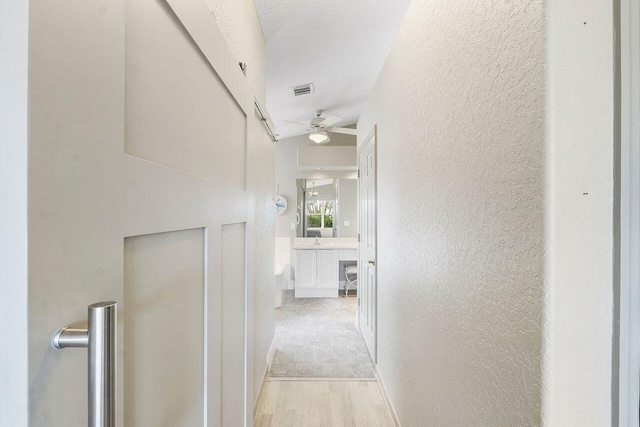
317,403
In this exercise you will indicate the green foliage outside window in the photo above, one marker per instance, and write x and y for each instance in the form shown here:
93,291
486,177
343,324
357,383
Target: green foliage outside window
315,211
315,221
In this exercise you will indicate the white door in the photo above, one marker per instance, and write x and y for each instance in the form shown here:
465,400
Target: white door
138,124
327,269
367,286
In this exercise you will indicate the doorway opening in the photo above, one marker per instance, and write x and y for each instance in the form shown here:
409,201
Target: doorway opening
318,290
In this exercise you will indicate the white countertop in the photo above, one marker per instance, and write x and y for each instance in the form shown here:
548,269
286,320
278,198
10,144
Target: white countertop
325,243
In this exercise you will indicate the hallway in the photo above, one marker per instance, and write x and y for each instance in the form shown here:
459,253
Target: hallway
318,338
322,403
322,374
474,167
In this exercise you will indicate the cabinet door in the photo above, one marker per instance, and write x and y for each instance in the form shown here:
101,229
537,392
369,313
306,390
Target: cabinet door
305,269
327,269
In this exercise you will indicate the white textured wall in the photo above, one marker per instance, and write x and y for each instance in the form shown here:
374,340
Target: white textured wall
348,208
238,22
330,158
459,111
578,266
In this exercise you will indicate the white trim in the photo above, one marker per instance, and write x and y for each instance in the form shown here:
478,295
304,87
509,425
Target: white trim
265,377
385,396
271,353
258,400
14,359
629,362
205,321
248,357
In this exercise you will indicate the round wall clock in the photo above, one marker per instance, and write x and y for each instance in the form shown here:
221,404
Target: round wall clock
281,204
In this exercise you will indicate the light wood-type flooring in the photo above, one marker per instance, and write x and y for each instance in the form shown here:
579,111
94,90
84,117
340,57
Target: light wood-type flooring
320,403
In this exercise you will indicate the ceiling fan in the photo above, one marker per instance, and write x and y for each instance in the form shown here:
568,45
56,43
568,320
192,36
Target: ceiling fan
319,126
313,192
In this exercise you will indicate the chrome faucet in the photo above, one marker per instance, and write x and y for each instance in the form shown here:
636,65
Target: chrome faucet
316,242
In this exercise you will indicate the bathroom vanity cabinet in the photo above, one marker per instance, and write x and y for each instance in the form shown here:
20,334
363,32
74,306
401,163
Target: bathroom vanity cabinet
317,269
316,273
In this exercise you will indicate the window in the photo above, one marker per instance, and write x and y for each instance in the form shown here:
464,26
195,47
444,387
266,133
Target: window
319,214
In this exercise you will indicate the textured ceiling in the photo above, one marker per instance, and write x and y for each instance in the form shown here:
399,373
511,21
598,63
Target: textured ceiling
338,45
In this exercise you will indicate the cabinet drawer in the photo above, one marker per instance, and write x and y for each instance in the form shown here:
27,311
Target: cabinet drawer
348,255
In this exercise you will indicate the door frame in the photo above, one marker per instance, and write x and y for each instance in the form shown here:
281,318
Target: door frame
626,348
14,84
372,137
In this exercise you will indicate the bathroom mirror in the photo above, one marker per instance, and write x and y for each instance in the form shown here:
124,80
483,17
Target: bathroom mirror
326,208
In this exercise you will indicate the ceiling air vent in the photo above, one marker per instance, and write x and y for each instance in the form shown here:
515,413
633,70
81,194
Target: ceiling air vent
303,89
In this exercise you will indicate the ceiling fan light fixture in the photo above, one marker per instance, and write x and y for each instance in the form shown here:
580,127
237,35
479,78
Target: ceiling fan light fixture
313,192
319,137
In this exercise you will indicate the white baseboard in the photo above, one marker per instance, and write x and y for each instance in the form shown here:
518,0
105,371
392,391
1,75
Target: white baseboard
265,376
256,403
271,353
385,396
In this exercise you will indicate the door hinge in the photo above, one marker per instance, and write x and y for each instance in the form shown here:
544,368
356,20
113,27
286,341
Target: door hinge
358,237
358,173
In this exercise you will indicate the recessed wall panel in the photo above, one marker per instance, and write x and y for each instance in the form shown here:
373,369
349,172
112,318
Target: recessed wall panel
178,113
233,325
164,329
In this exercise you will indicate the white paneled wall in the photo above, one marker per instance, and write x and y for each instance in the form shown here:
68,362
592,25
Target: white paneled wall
143,145
169,61
233,282
164,298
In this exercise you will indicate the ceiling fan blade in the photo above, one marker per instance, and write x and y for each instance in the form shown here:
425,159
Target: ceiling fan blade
346,131
330,121
306,132
296,123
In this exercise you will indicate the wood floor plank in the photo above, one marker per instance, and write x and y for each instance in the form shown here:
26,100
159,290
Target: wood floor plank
322,404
